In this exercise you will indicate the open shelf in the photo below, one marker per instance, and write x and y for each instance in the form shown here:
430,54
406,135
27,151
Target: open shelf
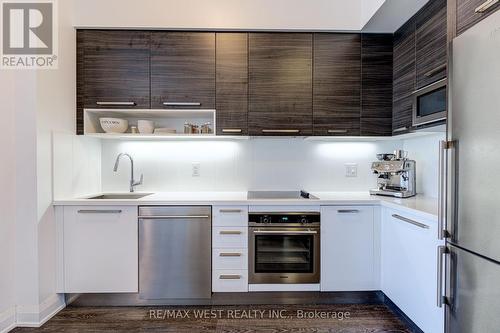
163,118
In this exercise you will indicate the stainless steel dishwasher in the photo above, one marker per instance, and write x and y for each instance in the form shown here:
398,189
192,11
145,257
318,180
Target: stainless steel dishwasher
175,252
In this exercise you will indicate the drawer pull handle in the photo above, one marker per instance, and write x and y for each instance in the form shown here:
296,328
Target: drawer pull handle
229,277
166,217
485,6
228,254
94,211
348,211
436,70
232,130
181,104
230,210
116,103
407,220
281,131
401,129
331,131
230,232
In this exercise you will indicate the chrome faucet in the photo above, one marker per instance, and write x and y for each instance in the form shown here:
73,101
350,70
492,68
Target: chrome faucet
133,183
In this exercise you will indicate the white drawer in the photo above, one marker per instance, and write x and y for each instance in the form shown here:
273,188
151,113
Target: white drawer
230,237
230,216
230,259
226,280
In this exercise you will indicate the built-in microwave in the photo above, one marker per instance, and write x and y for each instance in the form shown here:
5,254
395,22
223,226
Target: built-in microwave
429,104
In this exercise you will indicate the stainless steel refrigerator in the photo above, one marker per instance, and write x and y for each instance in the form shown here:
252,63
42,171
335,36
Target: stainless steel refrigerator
470,205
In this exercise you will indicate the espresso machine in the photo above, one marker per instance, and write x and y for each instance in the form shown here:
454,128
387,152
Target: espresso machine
396,175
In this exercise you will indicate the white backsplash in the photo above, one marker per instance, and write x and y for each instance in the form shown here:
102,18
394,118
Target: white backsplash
240,165
425,150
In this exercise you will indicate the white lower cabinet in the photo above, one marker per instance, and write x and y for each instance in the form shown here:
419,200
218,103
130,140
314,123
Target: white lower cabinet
100,249
348,256
230,249
409,267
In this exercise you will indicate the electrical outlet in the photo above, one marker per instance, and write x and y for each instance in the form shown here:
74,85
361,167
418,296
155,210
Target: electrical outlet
196,169
351,170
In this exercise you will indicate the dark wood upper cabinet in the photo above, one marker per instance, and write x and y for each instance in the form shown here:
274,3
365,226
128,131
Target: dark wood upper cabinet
232,83
183,70
337,84
114,66
404,76
376,90
280,84
467,15
431,43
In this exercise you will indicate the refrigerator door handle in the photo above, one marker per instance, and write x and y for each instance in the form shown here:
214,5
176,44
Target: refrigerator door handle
444,146
441,251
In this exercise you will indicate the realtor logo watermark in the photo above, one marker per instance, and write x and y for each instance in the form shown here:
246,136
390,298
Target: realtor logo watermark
29,34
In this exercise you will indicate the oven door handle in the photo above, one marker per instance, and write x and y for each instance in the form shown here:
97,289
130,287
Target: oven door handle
286,232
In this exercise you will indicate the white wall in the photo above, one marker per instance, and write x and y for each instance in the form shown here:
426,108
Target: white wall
263,164
221,14
7,202
55,111
369,8
391,15
425,150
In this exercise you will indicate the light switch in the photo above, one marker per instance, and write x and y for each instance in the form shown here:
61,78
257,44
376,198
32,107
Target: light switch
196,169
351,170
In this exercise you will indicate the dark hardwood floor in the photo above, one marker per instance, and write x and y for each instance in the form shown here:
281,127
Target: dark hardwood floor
339,318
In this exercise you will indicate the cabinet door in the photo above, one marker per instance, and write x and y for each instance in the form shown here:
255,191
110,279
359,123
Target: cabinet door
376,78
232,83
280,84
115,68
431,43
467,15
337,84
100,249
409,268
347,249
183,70
404,78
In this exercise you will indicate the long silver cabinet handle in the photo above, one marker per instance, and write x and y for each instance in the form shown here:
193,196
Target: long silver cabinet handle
166,217
232,130
229,277
181,103
407,220
348,211
97,211
441,251
230,254
436,70
283,131
485,6
116,103
230,210
230,232
338,131
284,232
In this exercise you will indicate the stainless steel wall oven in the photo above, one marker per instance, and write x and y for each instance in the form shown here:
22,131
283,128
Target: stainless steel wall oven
284,248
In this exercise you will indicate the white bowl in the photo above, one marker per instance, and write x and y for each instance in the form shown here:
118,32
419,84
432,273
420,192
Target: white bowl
114,125
146,126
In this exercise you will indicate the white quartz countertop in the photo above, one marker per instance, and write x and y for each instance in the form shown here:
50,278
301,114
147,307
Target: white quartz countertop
422,205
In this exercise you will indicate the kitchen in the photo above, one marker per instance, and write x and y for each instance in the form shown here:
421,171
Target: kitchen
297,160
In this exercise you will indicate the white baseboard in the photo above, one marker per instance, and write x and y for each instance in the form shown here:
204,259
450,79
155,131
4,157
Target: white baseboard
7,320
37,315
283,287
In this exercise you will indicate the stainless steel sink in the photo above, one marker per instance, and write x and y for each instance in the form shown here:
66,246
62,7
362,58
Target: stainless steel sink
118,196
